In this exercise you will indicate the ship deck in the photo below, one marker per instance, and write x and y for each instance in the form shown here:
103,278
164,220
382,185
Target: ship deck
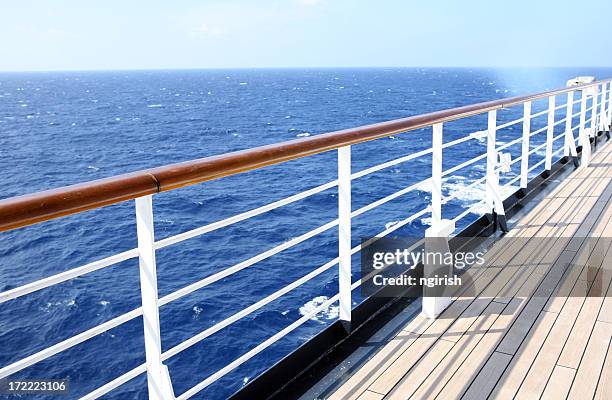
531,332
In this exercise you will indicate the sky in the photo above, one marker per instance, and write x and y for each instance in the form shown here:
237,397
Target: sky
156,34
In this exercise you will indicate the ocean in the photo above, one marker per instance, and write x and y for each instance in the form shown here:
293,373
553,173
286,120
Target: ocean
61,128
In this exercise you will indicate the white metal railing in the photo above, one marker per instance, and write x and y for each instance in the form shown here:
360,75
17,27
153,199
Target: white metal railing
158,377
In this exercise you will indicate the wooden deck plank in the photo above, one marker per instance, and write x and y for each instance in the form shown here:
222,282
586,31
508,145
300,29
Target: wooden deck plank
437,328
577,341
520,328
559,384
369,395
587,377
458,327
366,375
428,364
485,381
437,379
512,377
545,361
498,363
604,387
530,352
478,341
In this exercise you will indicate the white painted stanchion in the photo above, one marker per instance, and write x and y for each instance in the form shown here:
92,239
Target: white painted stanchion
493,197
569,146
550,133
603,117
158,377
436,242
582,133
436,174
525,144
436,237
593,130
609,107
344,232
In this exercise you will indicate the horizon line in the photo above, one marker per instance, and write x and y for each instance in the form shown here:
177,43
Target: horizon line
297,68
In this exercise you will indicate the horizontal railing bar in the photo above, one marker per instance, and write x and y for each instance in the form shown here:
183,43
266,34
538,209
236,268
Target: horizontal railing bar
247,356
559,136
257,349
68,343
514,161
115,383
360,281
160,244
458,141
541,146
507,124
470,210
390,229
538,131
537,148
67,275
388,198
262,256
512,143
42,206
244,264
542,161
510,182
471,185
562,120
241,314
464,164
539,114
177,349
536,165
390,163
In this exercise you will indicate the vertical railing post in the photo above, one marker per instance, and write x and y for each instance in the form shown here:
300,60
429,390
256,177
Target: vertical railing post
550,132
593,132
436,175
344,232
602,109
609,108
492,191
569,145
582,134
158,378
436,236
525,144
569,111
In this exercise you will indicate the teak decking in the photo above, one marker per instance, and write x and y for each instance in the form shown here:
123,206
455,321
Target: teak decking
505,343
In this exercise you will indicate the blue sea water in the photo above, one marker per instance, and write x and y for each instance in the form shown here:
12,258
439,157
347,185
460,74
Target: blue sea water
63,128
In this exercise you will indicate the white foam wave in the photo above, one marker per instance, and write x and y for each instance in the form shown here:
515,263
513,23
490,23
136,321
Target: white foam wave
331,312
64,303
155,105
390,224
459,188
305,134
197,310
481,136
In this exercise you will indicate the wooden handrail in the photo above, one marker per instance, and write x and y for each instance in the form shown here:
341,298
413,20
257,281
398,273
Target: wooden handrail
29,209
